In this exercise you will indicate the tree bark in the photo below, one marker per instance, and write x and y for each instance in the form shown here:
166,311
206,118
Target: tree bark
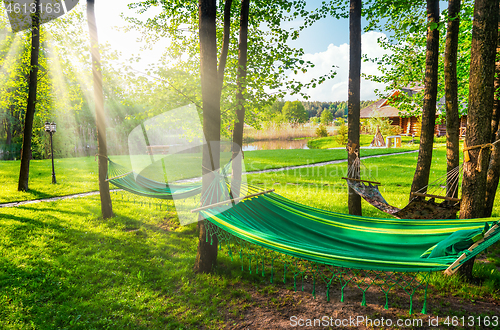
451,94
207,248
422,172
481,92
492,179
240,99
100,119
496,102
354,200
493,174
24,171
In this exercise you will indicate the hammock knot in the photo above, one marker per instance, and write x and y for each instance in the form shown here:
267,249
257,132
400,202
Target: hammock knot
99,155
489,146
353,148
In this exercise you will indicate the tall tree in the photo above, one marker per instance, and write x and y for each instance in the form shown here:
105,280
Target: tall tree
240,98
451,92
30,109
481,94
207,248
422,172
354,200
493,174
102,149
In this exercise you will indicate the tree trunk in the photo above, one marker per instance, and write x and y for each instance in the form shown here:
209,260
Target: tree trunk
240,99
207,248
493,174
354,201
496,102
422,172
100,119
30,109
492,179
451,91
481,92
225,45
8,131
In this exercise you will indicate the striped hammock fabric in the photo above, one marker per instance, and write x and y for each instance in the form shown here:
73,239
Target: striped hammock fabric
329,238
140,185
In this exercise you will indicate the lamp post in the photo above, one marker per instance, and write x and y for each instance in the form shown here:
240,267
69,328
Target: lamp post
51,129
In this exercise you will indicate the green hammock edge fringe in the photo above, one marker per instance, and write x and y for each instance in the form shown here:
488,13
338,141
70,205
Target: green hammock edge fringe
400,275
303,270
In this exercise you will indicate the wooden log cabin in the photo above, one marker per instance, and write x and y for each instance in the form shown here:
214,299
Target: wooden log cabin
409,125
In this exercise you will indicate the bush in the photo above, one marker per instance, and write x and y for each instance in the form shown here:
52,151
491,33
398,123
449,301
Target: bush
321,131
342,134
314,120
339,121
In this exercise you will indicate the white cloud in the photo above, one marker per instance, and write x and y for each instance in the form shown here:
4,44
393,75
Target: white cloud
336,89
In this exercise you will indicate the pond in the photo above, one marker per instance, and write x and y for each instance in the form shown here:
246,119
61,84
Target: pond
275,144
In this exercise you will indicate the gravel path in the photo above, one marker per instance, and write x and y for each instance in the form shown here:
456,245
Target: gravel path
51,199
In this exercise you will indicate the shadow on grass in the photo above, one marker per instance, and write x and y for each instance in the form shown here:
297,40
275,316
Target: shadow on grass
54,274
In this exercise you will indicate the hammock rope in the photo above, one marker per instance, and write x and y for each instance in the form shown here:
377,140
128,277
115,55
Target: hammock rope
438,186
489,146
418,207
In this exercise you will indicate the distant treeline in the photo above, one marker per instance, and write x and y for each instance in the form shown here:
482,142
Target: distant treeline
338,108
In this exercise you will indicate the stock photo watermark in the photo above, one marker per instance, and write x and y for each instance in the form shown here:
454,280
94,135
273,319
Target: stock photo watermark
366,321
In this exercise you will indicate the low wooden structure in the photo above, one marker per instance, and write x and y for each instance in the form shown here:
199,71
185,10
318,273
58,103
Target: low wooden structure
409,125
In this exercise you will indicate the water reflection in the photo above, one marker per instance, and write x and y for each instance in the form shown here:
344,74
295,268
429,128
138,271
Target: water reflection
275,144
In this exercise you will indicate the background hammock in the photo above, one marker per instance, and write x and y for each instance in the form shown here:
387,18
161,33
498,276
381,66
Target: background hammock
419,207
140,185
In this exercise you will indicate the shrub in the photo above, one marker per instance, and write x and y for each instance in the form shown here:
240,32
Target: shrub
321,131
339,121
314,120
342,134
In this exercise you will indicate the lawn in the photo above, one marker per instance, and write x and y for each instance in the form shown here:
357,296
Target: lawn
63,267
365,140
77,175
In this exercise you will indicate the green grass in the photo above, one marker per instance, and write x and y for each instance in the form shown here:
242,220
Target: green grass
269,159
63,267
74,175
365,140
324,188
333,142
77,175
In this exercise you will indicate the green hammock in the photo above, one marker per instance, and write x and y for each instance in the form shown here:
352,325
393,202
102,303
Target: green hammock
329,238
140,185
333,247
